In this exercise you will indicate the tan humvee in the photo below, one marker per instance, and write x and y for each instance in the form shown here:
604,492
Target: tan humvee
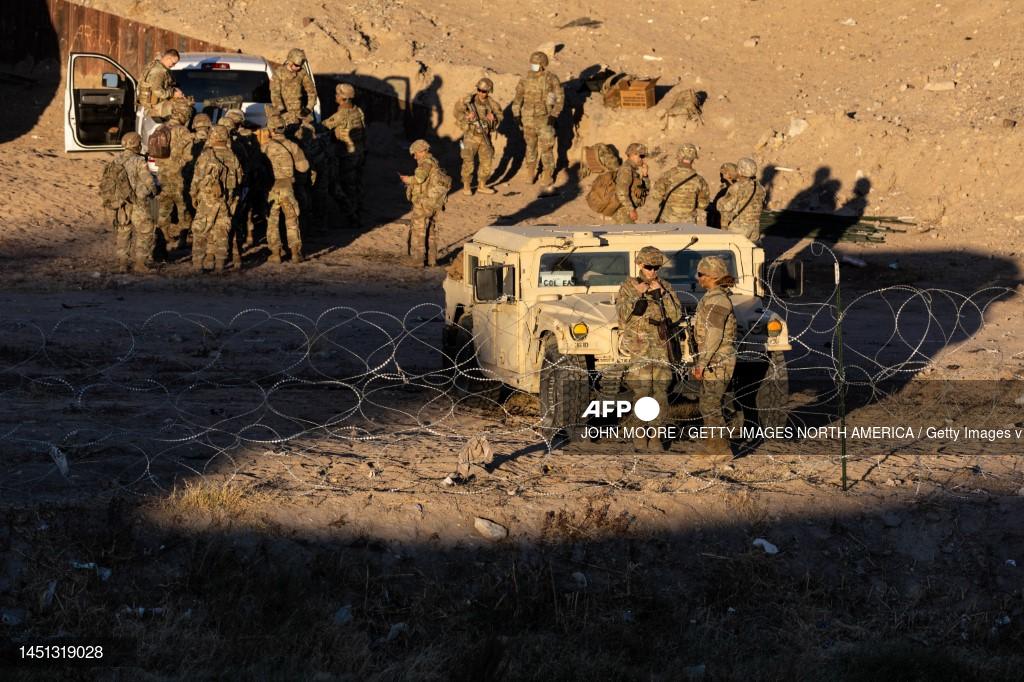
535,308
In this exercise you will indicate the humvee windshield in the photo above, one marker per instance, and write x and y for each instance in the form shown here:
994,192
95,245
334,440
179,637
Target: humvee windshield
681,268
583,269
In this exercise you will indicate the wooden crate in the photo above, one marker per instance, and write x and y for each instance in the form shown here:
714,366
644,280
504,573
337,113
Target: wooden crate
638,94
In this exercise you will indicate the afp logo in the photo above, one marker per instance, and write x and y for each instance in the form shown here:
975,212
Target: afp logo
646,409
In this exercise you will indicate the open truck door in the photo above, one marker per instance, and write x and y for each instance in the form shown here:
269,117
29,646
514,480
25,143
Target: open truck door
99,103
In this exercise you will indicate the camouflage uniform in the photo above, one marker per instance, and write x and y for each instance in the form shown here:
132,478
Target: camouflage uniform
650,371
536,105
422,191
715,332
287,88
743,202
683,190
727,176
214,187
349,126
246,149
155,86
630,188
472,114
133,223
171,172
286,158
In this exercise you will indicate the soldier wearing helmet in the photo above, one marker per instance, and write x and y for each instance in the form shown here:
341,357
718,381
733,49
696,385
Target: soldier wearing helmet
292,91
126,189
632,184
215,184
682,193
715,331
286,160
171,172
349,126
427,189
726,177
536,106
479,116
647,307
743,202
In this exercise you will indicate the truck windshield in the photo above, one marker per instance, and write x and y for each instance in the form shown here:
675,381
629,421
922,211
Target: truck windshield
680,270
200,84
583,269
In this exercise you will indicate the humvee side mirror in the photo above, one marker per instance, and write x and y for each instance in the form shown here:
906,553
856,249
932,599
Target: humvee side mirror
487,282
111,80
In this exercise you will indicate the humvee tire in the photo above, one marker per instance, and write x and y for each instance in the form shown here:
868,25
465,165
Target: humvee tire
459,359
564,390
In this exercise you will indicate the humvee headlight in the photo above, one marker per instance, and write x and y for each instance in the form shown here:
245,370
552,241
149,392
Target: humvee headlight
774,327
579,331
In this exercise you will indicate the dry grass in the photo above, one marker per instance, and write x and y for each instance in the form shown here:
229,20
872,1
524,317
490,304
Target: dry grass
217,501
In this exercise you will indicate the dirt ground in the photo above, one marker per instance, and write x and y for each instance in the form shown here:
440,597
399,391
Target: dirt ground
282,483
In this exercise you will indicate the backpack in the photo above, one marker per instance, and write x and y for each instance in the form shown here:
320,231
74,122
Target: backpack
599,158
159,146
601,198
115,187
438,186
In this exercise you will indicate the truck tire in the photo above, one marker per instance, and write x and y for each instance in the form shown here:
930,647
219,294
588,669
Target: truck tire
564,390
772,397
458,357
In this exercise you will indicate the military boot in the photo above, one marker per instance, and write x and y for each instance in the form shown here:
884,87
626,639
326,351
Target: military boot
716,450
218,265
297,254
640,443
484,189
141,266
274,257
236,259
123,266
208,262
467,191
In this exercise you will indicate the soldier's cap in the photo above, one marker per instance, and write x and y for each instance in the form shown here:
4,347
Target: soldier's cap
713,266
419,146
201,121
295,56
650,255
539,58
746,167
636,148
344,90
485,85
688,152
131,141
728,168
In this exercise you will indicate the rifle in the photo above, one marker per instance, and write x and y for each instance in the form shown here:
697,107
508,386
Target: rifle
484,130
668,332
231,102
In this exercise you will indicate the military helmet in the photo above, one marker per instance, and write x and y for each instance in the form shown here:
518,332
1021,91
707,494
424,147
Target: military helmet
728,170
713,266
746,167
219,135
539,58
236,115
688,152
344,90
295,56
131,141
275,123
201,121
650,255
485,84
636,148
227,122
419,146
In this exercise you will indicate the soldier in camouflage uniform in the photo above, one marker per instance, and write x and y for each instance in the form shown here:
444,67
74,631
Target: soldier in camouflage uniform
246,149
286,159
426,190
133,222
536,106
478,115
726,177
743,202
288,85
682,194
171,173
632,183
349,126
214,191
639,311
715,331
157,85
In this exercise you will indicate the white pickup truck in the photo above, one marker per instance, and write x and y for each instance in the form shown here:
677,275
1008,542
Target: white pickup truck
99,100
